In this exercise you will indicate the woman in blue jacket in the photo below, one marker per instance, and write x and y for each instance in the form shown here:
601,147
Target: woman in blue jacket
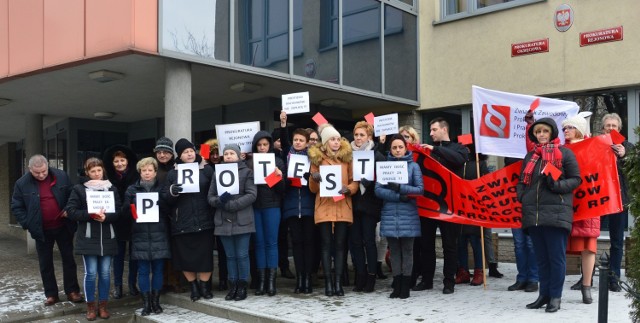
400,222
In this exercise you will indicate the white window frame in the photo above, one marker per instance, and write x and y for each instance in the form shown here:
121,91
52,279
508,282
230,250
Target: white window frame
473,10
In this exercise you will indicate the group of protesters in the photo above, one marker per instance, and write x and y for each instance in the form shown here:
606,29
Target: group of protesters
246,225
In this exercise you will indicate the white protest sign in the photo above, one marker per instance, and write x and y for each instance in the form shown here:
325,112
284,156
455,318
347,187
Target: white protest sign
240,134
363,165
295,102
392,172
189,177
97,200
298,165
331,183
263,165
227,178
147,207
386,124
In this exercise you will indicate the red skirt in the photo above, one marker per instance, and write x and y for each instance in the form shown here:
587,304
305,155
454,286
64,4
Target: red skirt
576,245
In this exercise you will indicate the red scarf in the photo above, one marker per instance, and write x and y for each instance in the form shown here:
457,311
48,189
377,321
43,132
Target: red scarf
549,153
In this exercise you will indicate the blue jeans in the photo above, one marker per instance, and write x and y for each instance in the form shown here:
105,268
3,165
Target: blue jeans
99,266
237,249
145,267
267,222
118,265
476,246
551,255
617,224
525,257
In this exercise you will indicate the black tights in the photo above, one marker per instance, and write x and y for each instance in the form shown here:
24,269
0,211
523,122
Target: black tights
335,232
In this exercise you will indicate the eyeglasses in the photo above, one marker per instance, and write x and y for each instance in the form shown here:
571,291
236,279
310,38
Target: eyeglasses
406,136
568,128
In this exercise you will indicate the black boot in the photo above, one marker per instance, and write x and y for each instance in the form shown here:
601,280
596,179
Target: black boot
345,276
195,290
577,285
360,281
405,287
379,272
146,304
397,284
493,270
133,290
553,306
155,302
586,295
307,284
262,280
370,283
299,283
271,281
328,285
241,293
117,291
540,302
233,289
205,289
338,291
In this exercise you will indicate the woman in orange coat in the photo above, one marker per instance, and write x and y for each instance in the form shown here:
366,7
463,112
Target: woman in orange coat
332,217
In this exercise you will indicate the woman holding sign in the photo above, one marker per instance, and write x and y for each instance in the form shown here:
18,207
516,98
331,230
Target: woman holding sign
333,214
366,214
191,218
95,238
549,175
400,222
150,241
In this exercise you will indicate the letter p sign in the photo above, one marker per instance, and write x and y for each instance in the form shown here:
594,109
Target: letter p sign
147,207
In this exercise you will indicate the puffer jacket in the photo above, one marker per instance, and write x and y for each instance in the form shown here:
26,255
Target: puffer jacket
149,241
326,209
368,203
123,226
189,212
298,201
235,216
93,238
268,197
541,205
400,219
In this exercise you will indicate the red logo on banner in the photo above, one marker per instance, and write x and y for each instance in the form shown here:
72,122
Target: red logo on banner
495,121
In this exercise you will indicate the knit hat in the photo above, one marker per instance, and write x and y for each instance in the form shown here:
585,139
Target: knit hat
163,144
182,145
579,122
328,133
233,147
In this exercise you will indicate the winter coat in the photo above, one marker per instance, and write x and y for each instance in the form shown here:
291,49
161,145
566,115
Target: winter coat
268,197
451,155
25,202
542,205
326,209
400,219
298,201
163,171
235,216
189,212
93,238
123,226
367,202
149,241
470,172
621,175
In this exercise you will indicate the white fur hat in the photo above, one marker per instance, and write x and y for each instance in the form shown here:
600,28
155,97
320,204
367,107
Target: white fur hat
328,133
579,122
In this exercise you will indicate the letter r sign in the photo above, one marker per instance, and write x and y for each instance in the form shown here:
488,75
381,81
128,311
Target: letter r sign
495,121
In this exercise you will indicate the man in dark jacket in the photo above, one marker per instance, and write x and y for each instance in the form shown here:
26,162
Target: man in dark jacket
617,221
38,202
452,156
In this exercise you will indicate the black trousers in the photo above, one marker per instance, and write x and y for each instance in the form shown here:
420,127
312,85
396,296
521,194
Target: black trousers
449,233
283,245
64,239
363,243
303,243
335,232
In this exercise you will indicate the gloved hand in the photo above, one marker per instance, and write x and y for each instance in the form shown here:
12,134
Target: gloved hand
316,177
345,190
306,176
404,198
224,198
552,184
365,182
528,118
176,189
394,187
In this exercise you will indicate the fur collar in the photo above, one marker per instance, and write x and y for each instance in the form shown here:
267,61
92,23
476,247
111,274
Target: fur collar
344,155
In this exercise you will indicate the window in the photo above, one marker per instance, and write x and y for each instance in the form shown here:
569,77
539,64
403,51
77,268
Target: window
454,9
361,20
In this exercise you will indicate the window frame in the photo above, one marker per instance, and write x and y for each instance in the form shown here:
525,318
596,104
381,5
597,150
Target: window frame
473,10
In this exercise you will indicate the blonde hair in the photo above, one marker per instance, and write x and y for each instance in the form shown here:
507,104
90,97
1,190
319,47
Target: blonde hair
415,138
368,129
146,162
213,145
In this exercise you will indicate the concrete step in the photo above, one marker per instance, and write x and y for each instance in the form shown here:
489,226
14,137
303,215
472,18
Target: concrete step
176,314
124,313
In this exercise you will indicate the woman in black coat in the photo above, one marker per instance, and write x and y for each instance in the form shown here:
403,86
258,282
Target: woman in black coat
149,240
547,208
95,238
